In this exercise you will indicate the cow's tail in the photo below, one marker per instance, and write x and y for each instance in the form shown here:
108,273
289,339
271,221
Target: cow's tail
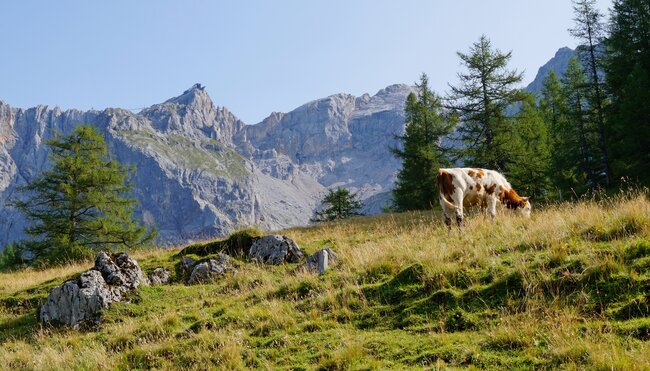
445,187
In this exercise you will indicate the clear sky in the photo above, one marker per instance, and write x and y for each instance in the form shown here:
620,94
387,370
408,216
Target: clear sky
255,57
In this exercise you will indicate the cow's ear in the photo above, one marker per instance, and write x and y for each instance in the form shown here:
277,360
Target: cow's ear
524,198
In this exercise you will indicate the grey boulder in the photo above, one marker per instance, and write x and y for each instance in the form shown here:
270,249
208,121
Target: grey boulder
275,249
78,301
208,271
82,300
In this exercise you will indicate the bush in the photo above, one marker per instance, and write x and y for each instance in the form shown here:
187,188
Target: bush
12,257
237,244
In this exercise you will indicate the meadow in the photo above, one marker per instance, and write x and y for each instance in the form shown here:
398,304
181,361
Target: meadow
567,289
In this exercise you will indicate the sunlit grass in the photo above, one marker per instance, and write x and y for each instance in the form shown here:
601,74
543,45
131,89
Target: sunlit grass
566,289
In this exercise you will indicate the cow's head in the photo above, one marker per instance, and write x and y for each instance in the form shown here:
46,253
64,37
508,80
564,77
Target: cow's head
515,202
525,207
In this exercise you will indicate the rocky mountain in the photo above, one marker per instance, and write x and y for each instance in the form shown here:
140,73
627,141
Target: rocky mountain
190,181
202,173
558,64
340,140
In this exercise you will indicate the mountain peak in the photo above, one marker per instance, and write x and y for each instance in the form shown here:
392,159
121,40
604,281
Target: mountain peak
193,95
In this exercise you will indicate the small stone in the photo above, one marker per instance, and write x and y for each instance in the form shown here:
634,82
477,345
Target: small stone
159,276
320,260
212,269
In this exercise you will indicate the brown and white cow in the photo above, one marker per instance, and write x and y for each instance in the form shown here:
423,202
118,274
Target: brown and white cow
467,187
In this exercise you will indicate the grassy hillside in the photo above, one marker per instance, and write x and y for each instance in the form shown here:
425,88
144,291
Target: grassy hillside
569,288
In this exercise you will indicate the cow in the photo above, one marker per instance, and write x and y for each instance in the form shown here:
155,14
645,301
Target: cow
467,187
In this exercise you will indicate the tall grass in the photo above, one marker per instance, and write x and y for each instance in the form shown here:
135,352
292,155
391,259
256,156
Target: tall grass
566,289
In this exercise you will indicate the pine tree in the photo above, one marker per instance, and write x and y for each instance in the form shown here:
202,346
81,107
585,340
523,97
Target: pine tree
339,204
529,150
422,153
627,68
565,172
590,31
486,90
579,132
79,206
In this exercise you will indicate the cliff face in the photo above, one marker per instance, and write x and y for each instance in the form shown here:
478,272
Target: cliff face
340,140
190,182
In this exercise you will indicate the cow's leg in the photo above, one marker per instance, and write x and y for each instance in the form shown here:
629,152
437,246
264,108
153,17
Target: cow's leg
458,202
492,206
445,211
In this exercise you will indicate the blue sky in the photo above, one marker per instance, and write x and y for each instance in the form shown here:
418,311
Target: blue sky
255,57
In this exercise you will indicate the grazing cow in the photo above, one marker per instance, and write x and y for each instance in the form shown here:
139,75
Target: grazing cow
466,187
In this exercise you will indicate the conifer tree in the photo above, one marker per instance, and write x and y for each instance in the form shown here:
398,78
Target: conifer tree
486,90
80,205
590,31
339,204
529,150
580,133
565,173
421,152
627,66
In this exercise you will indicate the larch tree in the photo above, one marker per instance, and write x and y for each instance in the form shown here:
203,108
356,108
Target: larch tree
565,171
80,205
590,31
487,89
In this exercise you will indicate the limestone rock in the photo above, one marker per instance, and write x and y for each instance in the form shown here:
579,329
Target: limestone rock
208,271
159,276
275,249
320,261
78,301
120,271
82,300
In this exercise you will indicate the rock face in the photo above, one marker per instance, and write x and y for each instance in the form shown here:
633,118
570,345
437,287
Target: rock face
190,181
81,301
208,271
557,64
275,249
341,140
320,261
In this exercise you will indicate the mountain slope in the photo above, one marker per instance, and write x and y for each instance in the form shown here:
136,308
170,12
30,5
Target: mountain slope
190,182
340,140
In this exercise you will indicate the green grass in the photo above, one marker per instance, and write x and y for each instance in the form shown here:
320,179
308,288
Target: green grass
568,289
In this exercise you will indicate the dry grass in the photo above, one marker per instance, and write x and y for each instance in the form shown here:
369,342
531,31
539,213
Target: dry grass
561,290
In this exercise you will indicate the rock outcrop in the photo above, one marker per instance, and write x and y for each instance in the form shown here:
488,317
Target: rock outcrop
81,301
275,249
212,269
